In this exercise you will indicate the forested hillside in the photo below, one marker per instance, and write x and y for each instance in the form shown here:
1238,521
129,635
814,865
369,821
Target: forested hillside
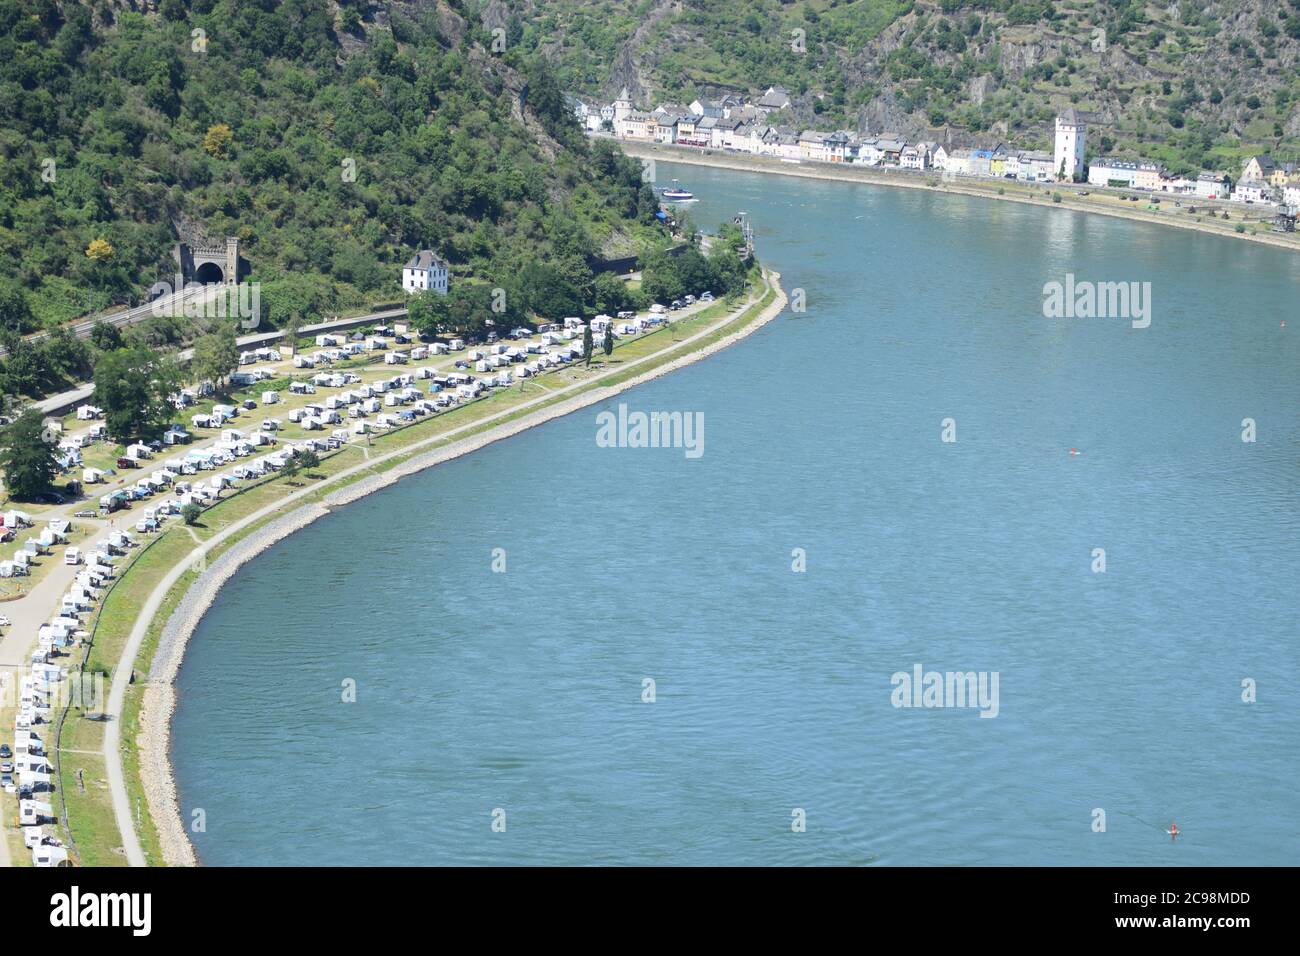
334,141
1194,83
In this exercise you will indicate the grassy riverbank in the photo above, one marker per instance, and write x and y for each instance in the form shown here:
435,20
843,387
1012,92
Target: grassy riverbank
90,816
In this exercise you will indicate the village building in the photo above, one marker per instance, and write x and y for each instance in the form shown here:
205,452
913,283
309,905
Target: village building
837,146
891,150
1212,186
1253,191
666,128
1037,167
775,98
425,271
1105,171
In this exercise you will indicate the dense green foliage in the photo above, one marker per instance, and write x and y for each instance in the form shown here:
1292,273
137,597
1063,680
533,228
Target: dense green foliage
26,458
215,356
667,276
132,386
332,162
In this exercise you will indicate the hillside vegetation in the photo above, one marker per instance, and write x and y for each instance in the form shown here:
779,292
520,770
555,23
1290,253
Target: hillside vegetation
334,141
1194,83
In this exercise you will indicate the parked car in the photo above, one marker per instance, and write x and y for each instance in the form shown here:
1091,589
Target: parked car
5,751
7,782
4,622
85,514
6,766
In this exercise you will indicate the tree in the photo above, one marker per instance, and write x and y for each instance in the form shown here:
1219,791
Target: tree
586,343
26,458
105,337
217,140
24,367
612,294
308,458
292,329
66,356
428,313
290,468
133,386
15,311
99,250
191,513
216,355
608,343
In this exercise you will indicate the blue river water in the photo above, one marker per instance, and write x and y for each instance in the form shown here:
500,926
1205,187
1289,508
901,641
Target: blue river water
522,692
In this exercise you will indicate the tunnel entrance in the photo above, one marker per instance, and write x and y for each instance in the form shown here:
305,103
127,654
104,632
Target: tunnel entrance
209,273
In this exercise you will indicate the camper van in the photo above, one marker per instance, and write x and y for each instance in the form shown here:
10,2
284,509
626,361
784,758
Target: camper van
72,556
34,812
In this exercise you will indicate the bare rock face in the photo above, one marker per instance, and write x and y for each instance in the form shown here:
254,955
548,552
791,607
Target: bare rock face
979,87
496,15
1292,125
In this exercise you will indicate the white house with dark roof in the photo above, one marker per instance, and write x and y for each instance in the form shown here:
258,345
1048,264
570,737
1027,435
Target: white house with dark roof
425,271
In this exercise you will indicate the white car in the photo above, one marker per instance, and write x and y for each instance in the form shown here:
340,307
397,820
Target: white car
4,621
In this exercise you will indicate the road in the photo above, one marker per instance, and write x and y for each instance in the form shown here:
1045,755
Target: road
27,614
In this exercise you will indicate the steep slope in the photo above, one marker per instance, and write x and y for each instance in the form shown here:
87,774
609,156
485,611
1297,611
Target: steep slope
333,140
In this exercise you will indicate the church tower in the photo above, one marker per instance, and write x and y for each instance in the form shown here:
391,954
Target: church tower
622,106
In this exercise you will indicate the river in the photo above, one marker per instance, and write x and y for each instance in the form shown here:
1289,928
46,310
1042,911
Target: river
520,697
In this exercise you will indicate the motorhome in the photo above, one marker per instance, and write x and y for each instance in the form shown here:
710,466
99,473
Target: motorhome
34,812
